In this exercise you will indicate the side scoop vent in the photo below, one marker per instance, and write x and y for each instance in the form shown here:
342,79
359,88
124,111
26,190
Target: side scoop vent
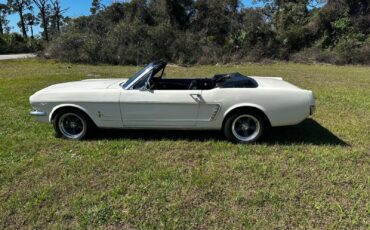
215,111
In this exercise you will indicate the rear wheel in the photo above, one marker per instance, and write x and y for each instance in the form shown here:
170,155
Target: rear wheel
244,127
72,125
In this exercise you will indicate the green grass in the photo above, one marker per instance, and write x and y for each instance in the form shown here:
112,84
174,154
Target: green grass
315,175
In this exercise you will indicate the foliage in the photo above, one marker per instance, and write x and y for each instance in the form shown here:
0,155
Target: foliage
213,31
95,6
20,6
44,16
15,43
4,12
31,21
202,31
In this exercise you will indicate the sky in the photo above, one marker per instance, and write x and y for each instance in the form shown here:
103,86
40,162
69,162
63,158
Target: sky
77,8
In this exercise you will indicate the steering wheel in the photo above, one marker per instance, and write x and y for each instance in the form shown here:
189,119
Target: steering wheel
149,84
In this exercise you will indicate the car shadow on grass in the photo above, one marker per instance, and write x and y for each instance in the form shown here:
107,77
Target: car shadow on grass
307,132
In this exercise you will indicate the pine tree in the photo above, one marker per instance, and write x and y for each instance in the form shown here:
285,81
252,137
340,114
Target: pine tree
44,9
4,11
95,7
20,6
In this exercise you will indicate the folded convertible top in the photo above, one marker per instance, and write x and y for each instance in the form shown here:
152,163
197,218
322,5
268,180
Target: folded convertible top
234,80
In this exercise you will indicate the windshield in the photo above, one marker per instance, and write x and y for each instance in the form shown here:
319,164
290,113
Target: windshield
142,76
136,76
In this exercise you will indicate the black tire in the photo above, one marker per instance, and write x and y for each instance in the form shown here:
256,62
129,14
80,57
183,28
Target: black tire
235,133
62,131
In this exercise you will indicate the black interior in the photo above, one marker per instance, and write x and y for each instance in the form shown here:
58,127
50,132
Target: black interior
234,80
182,84
154,81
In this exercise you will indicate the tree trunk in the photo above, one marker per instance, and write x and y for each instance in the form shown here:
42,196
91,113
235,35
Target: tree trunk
44,24
31,27
23,25
57,15
1,27
58,24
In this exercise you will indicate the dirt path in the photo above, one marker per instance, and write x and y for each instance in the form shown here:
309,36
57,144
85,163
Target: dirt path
16,56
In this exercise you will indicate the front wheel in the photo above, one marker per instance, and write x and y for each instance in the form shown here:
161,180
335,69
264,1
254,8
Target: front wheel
72,125
244,127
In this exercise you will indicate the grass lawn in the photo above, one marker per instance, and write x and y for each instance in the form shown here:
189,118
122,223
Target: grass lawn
314,175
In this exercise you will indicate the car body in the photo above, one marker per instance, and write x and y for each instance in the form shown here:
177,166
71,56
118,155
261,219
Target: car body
149,101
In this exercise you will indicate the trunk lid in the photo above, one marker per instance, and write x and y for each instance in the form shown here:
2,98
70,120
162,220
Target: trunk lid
273,82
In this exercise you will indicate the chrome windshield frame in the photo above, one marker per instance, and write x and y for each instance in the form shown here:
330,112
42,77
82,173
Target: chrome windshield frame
143,72
138,78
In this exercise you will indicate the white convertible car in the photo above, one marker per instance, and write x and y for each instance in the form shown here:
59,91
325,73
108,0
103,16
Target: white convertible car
243,107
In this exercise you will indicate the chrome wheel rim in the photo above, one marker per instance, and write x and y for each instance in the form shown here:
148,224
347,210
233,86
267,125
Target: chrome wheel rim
246,127
72,126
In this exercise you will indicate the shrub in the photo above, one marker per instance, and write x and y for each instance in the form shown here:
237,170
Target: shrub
15,43
209,32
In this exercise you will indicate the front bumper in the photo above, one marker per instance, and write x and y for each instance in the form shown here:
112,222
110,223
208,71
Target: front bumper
41,116
38,113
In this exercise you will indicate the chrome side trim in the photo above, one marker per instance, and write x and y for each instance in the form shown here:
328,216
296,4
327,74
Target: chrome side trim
38,113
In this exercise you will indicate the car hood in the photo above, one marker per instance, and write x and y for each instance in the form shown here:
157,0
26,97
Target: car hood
88,84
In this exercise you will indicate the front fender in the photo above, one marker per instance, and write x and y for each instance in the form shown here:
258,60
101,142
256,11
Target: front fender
65,105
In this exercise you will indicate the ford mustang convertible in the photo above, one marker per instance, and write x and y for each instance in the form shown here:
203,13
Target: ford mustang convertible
243,107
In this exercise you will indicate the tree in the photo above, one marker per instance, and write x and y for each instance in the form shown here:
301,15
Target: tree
215,18
56,16
30,22
43,14
95,7
177,13
212,31
4,11
20,6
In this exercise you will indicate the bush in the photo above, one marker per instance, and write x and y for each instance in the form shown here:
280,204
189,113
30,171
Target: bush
15,43
67,47
350,51
209,32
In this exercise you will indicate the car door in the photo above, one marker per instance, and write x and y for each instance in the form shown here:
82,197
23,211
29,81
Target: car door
160,108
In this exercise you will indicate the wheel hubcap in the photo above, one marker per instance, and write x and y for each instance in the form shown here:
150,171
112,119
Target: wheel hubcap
246,127
71,125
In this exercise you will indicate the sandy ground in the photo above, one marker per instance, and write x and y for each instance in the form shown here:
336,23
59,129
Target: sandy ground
16,56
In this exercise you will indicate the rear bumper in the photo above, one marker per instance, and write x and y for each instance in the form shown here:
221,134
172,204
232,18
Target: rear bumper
312,103
312,109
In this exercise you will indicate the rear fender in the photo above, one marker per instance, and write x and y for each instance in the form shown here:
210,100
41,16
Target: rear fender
246,105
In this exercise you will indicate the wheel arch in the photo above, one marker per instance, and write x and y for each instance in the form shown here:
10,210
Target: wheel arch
62,107
246,107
